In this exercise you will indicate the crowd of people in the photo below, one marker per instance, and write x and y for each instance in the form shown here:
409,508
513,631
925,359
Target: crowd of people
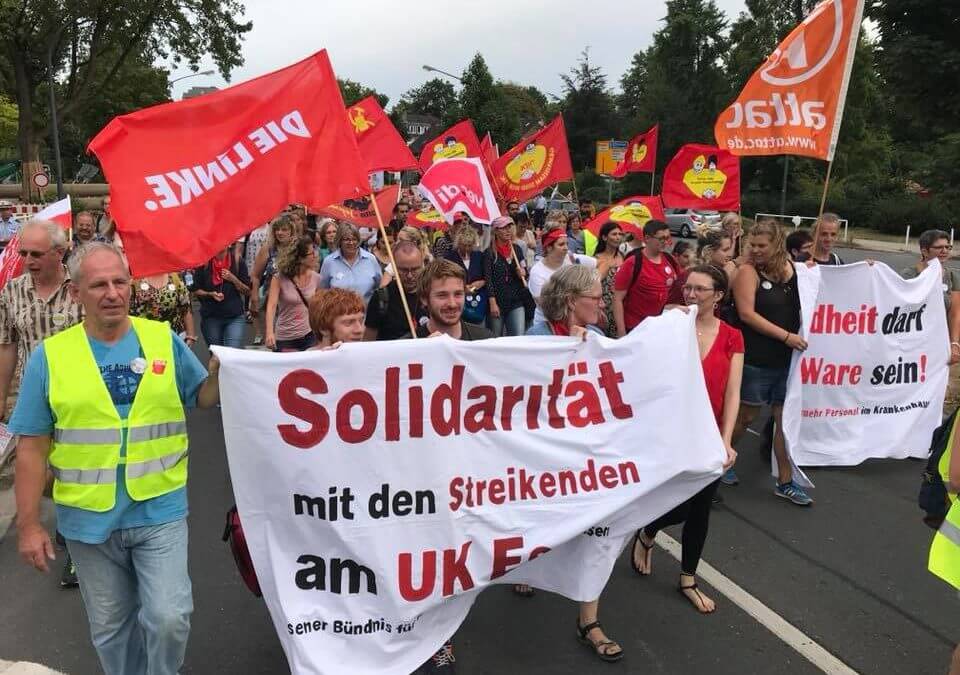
306,284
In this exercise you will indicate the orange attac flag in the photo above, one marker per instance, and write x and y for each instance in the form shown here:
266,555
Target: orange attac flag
702,177
631,214
190,177
359,210
381,145
640,155
460,140
794,103
538,161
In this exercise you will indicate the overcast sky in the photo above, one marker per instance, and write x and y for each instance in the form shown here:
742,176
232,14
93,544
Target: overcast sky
385,44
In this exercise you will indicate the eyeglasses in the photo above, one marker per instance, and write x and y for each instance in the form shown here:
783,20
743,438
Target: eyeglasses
697,289
595,298
942,247
408,270
33,254
663,239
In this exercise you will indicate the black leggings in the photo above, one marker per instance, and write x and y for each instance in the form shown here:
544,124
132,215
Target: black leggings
695,516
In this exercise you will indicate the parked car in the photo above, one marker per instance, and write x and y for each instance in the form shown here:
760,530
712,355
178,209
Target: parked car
565,205
686,222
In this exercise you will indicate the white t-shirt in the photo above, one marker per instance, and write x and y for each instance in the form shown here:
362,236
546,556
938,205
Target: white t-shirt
540,274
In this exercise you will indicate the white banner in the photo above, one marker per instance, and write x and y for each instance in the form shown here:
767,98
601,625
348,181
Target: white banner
383,485
872,381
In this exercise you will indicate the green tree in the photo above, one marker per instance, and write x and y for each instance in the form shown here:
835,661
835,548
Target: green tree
8,128
88,44
436,97
589,110
354,91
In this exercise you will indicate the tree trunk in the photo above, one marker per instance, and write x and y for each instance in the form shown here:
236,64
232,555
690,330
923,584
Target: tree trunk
27,141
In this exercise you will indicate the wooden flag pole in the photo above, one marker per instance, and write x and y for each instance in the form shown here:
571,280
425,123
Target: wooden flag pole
396,270
826,188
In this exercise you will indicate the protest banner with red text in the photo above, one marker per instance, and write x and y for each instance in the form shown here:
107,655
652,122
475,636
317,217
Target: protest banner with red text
359,211
640,155
793,104
453,185
458,141
190,177
631,214
381,145
11,263
872,380
383,485
702,177
538,161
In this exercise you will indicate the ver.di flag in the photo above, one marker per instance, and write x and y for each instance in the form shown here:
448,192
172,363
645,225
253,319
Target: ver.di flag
793,104
460,140
382,486
702,177
640,155
190,177
872,379
381,145
11,264
631,214
454,185
359,210
538,161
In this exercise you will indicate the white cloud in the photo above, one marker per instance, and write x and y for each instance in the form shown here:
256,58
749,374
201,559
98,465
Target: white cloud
385,44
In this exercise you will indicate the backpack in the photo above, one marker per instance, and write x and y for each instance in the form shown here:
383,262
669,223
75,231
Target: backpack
932,498
638,254
233,532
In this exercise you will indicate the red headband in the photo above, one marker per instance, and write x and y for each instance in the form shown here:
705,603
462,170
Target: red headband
552,236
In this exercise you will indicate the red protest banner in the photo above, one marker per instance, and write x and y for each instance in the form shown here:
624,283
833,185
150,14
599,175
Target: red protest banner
702,177
381,145
641,154
359,210
538,161
188,178
460,140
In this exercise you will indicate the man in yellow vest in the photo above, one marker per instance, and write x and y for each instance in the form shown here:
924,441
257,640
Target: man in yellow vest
945,551
103,403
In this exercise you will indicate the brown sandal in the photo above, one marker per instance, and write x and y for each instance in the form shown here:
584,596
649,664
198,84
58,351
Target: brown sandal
601,649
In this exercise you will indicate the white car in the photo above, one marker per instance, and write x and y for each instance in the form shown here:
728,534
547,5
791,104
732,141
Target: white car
686,222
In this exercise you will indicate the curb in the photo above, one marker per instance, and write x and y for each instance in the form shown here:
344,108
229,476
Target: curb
8,512
24,668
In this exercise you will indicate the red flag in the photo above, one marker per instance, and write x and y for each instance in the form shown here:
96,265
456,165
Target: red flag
359,210
11,264
631,214
460,184
460,140
428,217
641,154
190,177
381,145
488,151
538,161
702,177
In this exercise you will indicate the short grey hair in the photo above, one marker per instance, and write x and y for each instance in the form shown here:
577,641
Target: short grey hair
931,237
466,236
830,218
345,229
75,261
564,286
58,236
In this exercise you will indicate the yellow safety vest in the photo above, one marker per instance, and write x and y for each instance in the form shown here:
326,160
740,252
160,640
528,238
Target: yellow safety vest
88,431
945,551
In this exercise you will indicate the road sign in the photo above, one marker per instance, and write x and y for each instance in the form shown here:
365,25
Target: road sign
41,180
609,154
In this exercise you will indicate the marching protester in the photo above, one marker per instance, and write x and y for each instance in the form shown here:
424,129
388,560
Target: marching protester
505,281
413,236
647,280
721,356
825,233
164,297
381,253
442,291
253,243
350,266
768,304
732,224
466,255
555,256
280,234
33,307
572,302
336,316
105,223
125,522
525,239
386,318
287,321
800,246
685,255
222,286
85,229
9,225
574,231
539,209
609,259
586,209
326,237
936,244
444,242
715,247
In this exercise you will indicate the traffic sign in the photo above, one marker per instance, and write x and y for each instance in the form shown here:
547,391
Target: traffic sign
41,180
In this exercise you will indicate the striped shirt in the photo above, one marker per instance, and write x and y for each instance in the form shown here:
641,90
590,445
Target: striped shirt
26,319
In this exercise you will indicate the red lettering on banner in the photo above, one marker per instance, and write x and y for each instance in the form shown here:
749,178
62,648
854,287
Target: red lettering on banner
815,371
292,403
356,398
455,569
828,320
609,381
447,393
502,562
428,576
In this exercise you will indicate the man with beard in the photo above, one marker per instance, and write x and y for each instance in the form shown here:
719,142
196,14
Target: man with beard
386,318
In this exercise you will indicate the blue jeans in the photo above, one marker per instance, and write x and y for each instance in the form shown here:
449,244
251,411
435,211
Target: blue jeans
138,598
223,332
514,321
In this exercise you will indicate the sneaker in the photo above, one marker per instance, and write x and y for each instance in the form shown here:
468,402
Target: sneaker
443,661
793,492
258,340
729,477
68,579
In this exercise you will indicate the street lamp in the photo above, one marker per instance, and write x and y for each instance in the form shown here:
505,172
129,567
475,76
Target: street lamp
431,69
184,77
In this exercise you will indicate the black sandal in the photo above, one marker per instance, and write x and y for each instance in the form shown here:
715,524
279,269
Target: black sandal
527,591
681,589
638,539
598,647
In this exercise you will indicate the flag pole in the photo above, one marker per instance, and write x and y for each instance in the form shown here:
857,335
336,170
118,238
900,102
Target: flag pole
653,175
826,188
396,270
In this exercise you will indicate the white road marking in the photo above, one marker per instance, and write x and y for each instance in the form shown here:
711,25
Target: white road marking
776,624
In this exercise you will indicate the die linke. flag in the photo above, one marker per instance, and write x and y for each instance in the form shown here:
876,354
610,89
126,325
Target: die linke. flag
460,140
11,264
381,145
641,154
190,177
631,214
794,103
538,161
359,210
460,184
702,177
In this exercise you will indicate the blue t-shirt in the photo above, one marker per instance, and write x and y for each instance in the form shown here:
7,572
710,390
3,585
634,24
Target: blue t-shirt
33,417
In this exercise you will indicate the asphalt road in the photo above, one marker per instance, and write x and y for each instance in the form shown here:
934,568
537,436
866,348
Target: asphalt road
850,572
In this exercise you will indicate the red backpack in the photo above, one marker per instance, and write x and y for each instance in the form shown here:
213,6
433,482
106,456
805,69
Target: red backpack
233,532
